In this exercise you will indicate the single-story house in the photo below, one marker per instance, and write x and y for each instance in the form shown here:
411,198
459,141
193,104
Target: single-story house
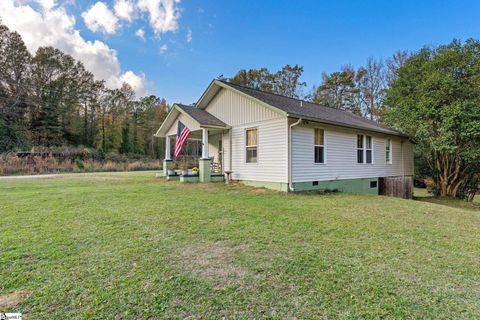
273,141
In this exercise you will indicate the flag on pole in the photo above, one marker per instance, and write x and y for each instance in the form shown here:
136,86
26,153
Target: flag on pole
182,135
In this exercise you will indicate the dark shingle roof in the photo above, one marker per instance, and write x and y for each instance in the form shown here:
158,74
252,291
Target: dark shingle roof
314,112
202,116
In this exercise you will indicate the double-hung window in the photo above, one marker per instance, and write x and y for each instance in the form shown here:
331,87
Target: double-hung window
360,148
319,145
251,145
388,151
364,149
368,149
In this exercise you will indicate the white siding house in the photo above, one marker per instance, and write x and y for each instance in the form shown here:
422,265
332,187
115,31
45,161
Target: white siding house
287,144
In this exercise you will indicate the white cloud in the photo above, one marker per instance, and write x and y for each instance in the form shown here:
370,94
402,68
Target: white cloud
124,9
140,33
189,35
137,82
163,14
100,18
55,27
163,48
47,4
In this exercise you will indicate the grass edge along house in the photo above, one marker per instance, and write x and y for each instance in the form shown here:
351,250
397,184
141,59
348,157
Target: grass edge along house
269,140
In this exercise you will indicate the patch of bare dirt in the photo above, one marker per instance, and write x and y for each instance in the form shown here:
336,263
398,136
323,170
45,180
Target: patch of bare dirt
13,299
214,261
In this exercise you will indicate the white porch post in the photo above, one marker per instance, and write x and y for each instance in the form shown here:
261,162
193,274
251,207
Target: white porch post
167,148
204,162
167,161
205,144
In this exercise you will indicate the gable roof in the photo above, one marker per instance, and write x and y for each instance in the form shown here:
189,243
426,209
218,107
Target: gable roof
315,112
202,117
297,108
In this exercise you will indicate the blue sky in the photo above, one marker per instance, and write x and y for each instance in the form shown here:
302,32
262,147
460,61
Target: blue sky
229,35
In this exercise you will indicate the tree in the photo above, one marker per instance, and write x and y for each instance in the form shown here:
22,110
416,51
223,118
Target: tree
52,100
285,81
14,87
435,98
394,63
372,84
338,90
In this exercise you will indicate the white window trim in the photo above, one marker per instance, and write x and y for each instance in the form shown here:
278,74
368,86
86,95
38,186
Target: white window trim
245,146
319,145
371,149
364,149
387,140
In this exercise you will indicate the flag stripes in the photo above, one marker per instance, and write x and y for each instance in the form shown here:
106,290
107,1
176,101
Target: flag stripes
182,135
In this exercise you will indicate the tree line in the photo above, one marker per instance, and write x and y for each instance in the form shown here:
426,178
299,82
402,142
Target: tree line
49,99
361,91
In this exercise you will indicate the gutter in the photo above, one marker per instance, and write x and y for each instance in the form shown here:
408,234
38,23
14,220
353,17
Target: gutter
290,183
339,124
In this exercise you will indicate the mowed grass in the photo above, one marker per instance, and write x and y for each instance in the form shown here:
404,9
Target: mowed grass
129,246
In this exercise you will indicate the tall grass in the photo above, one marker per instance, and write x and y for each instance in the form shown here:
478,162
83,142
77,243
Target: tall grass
11,164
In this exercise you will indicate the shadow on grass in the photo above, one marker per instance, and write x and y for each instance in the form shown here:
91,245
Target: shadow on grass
423,195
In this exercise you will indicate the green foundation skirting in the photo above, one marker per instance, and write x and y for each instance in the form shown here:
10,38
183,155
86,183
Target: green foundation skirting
217,178
363,185
173,178
189,179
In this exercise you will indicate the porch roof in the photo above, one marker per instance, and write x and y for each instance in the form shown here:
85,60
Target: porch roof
203,118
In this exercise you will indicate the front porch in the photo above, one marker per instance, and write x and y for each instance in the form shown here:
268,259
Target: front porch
194,165
202,157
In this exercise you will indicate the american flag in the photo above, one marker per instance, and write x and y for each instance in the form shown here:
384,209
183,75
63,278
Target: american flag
182,135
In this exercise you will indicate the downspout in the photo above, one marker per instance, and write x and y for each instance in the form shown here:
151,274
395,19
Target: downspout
290,183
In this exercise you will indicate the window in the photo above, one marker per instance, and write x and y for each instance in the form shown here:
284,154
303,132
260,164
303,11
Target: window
364,149
319,145
373,184
388,151
360,148
251,145
368,149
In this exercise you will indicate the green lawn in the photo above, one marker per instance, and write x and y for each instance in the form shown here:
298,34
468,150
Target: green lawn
129,246
422,194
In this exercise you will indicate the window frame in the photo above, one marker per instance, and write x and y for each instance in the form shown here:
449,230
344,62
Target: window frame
368,149
364,148
388,149
324,146
250,146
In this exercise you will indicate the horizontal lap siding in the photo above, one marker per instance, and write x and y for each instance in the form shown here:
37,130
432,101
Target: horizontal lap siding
408,158
341,156
272,163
